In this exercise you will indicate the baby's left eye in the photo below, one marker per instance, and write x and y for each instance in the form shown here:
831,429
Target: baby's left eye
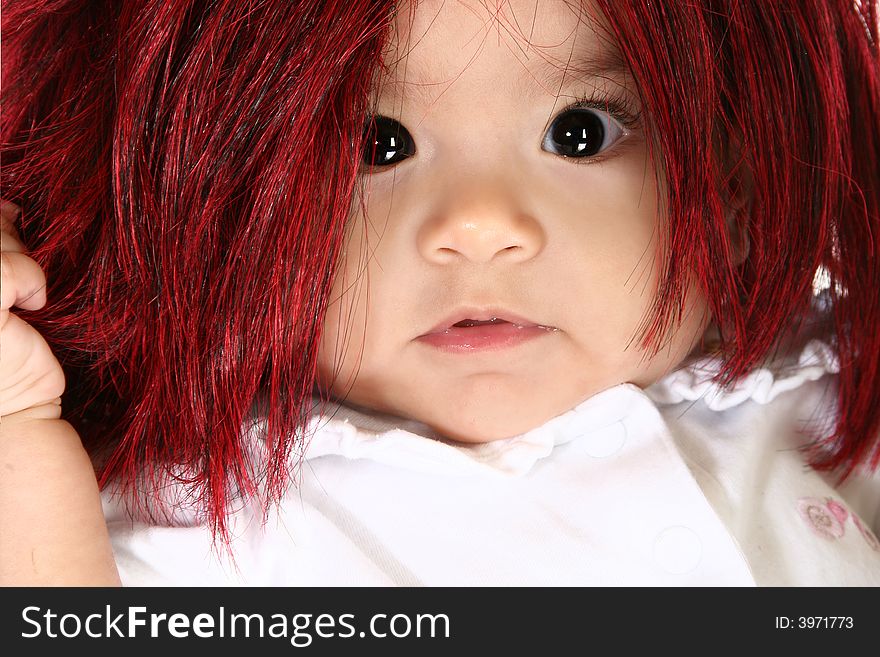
581,133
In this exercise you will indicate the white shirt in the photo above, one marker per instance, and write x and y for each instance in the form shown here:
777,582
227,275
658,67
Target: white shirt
677,484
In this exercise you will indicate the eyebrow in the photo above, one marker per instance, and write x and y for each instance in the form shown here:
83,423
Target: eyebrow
556,76
605,64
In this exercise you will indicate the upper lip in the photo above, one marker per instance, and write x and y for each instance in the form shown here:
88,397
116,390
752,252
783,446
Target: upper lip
479,314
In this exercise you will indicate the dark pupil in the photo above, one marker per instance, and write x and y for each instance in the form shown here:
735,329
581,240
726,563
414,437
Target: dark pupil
387,142
578,134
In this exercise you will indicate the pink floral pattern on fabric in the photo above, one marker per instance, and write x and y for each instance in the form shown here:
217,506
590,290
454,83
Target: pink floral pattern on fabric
838,510
867,534
820,517
827,519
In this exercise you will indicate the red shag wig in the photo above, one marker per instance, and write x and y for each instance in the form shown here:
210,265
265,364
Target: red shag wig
186,171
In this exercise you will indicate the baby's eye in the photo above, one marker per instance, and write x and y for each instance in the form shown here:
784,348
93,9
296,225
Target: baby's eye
582,133
387,142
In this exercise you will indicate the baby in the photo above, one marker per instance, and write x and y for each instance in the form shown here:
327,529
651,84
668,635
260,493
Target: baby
491,344
510,181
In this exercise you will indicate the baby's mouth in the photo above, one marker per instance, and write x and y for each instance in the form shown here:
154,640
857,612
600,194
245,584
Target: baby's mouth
470,324
465,323
482,336
471,317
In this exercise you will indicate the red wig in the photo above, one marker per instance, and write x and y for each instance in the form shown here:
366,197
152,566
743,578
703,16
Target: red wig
186,171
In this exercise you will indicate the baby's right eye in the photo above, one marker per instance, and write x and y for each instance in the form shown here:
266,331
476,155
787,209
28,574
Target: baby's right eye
386,142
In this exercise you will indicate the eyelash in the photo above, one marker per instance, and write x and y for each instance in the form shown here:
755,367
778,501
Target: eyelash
617,105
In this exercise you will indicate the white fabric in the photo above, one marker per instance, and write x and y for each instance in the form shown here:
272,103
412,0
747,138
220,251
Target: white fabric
678,484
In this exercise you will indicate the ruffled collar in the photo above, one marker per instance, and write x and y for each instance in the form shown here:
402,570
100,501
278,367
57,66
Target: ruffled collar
356,434
761,385
353,433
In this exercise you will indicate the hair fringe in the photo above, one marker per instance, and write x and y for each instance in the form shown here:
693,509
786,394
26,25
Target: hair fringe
186,171
798,88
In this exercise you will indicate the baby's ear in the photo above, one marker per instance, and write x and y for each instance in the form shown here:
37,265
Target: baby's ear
737,190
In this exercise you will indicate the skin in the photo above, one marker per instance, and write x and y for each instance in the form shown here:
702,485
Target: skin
482,215
52,530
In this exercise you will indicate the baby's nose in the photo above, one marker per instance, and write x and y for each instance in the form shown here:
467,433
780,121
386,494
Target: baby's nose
480,223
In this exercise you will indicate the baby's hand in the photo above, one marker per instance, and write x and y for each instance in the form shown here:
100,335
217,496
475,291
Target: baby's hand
31,379
52,529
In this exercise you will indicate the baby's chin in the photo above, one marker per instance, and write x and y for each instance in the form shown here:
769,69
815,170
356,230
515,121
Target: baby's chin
475,413
479,435
495,421
488,422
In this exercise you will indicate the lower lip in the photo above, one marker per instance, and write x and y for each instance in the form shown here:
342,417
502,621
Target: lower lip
488,337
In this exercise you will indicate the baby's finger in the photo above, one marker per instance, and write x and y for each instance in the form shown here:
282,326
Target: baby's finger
9,213
9,209
23,282
11,242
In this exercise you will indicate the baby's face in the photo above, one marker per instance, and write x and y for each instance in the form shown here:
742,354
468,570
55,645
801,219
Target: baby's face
487,213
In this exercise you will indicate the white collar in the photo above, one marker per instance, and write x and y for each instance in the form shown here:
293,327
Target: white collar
342,430
354,434
762,385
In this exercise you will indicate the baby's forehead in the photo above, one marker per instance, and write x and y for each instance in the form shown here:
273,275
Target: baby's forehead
434,41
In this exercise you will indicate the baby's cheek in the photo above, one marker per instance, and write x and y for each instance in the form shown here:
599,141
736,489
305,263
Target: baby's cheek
684,344
331,350
340,309
325,364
